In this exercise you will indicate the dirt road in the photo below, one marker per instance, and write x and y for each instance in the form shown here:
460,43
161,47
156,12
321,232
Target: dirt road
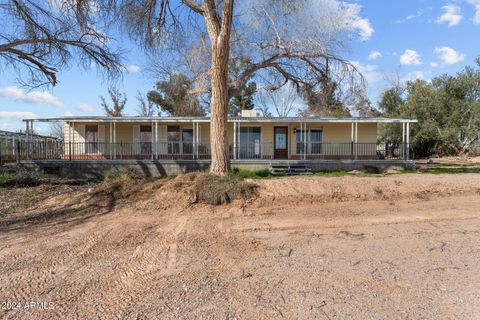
397,247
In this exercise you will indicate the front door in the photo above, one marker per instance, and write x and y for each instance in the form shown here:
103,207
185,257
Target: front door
280,148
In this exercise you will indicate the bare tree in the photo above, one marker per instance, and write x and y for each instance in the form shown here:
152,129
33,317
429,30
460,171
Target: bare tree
56,129
274,42
283,101
145,106
119,101
38,38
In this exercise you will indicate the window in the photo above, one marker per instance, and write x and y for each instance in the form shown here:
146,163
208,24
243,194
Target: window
301,144
91,134
187,141
281,138
173,139
316,138
91,139
146,139
249,142
313,145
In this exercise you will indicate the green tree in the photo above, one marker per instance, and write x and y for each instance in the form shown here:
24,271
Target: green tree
242,99
447,109
172,97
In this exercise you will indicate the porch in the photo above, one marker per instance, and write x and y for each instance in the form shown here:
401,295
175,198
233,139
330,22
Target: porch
188,139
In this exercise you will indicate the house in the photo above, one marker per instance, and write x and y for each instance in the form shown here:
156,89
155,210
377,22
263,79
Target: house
183,143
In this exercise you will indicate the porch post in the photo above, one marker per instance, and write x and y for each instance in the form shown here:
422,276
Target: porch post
31,140
305,141
69,140
110,148
235,140
73,142
27,125
239,142
115,141
194,140
156,140
356,140
197,143
408,140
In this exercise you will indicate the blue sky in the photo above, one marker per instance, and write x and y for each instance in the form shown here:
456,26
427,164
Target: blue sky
411,38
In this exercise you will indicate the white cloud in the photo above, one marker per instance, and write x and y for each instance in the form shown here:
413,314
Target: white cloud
12,120
356,22
433,64
449,55
17,115
476,4
132,68
452,15
415,75
85,107
412,16
35,97
68,114
374,55
371,72
410,57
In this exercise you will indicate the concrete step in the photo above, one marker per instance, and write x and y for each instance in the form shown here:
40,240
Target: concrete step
290,168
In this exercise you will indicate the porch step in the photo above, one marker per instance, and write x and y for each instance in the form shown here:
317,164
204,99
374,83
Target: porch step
290,168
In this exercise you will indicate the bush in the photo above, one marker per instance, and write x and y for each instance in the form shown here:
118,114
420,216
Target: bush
21,179
216,190
251,174
120,174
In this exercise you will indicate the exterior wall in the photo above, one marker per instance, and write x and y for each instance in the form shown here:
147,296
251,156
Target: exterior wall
74,135
333,133
155,168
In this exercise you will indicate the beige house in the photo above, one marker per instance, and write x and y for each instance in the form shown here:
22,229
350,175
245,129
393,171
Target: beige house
249,138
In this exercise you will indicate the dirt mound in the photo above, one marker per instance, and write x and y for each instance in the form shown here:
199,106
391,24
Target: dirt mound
173,192
308,190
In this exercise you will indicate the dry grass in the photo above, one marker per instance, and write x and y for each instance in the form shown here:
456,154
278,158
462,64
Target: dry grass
196,186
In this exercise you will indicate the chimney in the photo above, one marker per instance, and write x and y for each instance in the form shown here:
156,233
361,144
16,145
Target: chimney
249,113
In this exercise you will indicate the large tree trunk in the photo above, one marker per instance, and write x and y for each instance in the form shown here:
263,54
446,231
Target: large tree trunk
218,108
219,30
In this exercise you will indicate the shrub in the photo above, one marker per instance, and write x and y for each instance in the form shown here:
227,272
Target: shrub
216,190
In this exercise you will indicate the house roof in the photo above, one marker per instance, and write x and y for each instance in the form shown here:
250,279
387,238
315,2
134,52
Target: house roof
234,119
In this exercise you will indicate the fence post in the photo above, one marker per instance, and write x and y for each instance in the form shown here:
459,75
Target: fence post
17,154
69,150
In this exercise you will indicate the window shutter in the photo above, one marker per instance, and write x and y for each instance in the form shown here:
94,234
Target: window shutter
101,133
101,140
81,133
162,140
136,140
199,135
79,146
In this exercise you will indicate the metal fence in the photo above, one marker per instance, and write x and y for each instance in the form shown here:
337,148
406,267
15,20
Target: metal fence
58,150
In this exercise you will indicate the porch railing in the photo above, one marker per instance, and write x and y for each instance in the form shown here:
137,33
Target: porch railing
58,150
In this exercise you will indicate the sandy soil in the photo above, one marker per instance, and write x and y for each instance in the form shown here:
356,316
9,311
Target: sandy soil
396,247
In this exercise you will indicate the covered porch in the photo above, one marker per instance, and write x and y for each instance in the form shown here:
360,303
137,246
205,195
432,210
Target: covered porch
249,139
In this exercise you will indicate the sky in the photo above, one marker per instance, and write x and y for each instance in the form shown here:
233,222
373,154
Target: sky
414,39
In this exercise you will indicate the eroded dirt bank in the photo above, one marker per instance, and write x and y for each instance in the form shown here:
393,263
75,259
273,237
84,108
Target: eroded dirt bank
397,247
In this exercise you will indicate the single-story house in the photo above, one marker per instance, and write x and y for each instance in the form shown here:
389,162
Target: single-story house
259,141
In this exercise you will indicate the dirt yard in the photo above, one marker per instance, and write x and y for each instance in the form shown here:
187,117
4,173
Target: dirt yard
396,247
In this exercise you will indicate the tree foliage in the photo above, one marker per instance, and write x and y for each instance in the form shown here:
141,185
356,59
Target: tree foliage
145,106
275,42
447,109
119,101
243,99
38,38
172,97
